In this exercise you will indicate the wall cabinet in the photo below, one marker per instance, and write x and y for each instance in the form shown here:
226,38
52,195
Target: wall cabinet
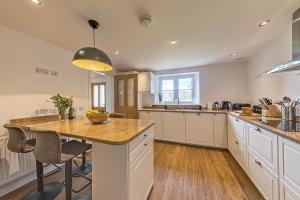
174,126
199,129
146,82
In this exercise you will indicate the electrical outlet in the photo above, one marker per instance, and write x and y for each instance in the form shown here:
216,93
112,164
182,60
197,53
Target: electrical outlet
42,71
54,73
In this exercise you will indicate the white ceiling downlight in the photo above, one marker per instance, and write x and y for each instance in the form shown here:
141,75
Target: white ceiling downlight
264,23
37,2
233,54
173,42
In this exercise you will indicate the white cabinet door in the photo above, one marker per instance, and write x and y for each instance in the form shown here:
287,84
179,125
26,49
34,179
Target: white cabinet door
264,145
237,127
143,115
174,126
287,193
220,130
199,129
264,179
145,82
238,149
142,175
289,163
157,118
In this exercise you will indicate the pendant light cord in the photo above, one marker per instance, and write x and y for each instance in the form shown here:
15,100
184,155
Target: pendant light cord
94,38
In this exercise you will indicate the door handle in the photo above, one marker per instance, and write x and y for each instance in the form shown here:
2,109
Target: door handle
237,142
258,129
258,163
237,120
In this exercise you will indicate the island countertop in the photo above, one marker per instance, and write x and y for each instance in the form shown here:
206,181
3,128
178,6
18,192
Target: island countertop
115,131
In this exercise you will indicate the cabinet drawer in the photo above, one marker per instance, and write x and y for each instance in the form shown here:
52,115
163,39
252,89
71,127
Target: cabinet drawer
264,179
134,143
238,150
289,159
287,193
140,148
237,128
141,175
264,144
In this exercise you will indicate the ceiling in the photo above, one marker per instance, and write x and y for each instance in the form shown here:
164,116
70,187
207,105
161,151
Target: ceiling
207,31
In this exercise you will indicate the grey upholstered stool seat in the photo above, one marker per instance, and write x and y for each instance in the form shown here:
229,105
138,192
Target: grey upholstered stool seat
17,143
49,149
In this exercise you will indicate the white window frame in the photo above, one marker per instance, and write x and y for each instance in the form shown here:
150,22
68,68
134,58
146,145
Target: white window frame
176,78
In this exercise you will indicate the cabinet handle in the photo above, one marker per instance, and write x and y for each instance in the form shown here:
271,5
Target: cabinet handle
258,163
237,120
145,135
145,144
237,142
258,129
198,114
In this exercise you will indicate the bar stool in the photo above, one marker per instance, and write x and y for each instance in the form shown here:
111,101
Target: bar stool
17,143
49,149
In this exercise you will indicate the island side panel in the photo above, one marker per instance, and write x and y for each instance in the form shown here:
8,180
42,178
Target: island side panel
110,171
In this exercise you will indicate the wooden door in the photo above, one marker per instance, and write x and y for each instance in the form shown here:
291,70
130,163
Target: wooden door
126,90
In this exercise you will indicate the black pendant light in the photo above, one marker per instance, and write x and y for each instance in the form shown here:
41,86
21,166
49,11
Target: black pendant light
91,58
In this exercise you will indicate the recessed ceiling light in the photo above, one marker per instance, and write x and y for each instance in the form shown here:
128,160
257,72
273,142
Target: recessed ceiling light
233,54
117,52
264,23
173,42
179,62
37,2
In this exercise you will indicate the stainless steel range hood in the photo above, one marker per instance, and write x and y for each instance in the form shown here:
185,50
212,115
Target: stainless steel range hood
294,64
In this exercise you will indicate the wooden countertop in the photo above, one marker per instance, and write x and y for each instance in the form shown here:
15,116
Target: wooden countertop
184,110
116,131
294,136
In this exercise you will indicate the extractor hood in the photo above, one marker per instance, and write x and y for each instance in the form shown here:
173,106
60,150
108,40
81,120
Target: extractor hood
294,64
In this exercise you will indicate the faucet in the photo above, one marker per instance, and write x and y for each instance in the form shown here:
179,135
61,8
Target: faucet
178,107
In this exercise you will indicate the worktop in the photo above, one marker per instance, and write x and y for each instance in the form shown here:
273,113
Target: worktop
294,136
115,131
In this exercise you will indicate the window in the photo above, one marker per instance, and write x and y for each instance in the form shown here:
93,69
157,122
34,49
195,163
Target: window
181,86
98,95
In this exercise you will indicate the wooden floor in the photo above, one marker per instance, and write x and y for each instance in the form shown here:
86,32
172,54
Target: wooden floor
185,173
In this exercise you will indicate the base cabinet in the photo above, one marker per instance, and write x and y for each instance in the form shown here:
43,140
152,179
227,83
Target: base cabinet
263,177
199,129
143,168
238,149
174,127
220,131
287,193
157,118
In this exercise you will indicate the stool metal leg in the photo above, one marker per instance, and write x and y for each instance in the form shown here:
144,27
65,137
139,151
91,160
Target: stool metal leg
85,167
68,177
48,191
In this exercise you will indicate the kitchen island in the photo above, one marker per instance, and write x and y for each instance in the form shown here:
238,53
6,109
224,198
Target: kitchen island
122,157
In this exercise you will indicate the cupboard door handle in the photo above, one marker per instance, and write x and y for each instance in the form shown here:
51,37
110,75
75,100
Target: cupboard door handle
198,114
258,129
145,144
145,135
258,163
237,142
237,120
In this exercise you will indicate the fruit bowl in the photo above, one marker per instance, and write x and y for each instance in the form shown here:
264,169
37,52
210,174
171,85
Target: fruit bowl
97,117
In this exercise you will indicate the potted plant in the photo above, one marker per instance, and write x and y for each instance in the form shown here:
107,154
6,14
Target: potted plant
62,104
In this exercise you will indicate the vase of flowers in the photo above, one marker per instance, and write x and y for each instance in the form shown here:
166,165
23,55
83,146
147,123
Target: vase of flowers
62,104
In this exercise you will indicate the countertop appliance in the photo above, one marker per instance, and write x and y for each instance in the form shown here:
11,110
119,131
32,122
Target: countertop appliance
238,106
226,105
284,125
294,64
256,109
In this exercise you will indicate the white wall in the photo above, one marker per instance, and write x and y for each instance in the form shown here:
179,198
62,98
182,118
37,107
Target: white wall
276,86
109,81
216,83
22,91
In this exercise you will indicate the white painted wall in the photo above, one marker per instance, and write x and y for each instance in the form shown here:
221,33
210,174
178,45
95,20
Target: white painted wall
216,83
276,86
22,91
